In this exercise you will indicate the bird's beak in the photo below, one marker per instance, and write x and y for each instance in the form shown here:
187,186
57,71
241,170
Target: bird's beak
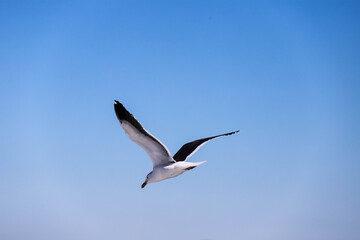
144,184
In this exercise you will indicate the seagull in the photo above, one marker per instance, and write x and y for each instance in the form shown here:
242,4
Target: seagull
164,165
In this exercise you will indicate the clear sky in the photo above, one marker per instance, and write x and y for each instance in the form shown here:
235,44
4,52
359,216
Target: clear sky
286,73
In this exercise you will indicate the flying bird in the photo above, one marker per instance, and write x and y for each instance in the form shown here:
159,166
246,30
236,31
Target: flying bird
164,165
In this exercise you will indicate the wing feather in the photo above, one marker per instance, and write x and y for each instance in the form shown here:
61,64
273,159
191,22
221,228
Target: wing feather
157,151
188,149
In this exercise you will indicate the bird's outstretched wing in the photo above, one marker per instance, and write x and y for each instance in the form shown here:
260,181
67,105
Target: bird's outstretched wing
157,151
190,148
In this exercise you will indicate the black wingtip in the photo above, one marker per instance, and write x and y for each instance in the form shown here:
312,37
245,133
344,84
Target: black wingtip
120,111
231,133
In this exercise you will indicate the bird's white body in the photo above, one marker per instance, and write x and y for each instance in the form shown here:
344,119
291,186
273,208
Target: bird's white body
165,171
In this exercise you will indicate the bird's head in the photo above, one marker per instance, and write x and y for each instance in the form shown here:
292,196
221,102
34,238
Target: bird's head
147,180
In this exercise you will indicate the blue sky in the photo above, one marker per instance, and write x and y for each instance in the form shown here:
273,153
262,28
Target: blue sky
285,73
